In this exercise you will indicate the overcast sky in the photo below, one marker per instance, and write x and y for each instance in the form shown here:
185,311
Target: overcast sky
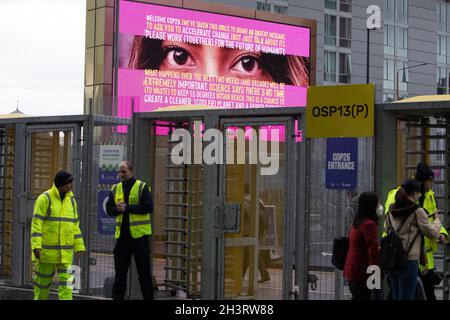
42,56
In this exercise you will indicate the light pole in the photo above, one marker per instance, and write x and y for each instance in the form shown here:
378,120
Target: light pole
404,68
368,52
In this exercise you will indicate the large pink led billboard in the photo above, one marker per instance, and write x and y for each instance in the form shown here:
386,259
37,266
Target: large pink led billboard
171,56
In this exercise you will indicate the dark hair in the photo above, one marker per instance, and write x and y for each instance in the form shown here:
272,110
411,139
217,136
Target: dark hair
146,53
410,186
367,208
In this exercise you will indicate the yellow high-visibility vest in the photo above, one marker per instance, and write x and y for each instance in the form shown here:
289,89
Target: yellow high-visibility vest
140,224
55,228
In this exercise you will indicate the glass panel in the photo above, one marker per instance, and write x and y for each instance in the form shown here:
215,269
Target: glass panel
330,4
344,68
177,215
330,30
254,254
346,5
401,41
389,40
263,6
345,28
448,19
50,152
442,78
389,8
402,11
442,12
330,66
280,9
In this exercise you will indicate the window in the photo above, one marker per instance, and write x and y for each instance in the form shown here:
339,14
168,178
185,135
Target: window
441,16
388,97
441,80
330,4
330,66
280,9
345,30
389,8
330,30
263,6
402,11
401,42
345,71
403,75
389,40
345,5
388,74
441,48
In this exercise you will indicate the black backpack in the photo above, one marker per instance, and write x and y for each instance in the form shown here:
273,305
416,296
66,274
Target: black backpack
392,253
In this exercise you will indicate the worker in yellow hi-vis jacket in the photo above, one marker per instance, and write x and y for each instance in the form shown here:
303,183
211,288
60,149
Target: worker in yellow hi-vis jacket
55,236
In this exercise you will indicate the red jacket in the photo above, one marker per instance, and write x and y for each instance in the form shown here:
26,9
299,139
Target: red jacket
363,251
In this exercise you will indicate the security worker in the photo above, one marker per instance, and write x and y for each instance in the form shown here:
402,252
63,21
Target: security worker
427,201
424,175
55,236
130,201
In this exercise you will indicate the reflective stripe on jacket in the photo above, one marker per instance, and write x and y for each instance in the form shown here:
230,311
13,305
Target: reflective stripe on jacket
55,228
140,224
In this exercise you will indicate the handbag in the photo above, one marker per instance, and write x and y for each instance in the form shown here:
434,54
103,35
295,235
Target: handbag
340,249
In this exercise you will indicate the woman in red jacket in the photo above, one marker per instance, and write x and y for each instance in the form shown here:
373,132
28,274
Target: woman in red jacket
364,247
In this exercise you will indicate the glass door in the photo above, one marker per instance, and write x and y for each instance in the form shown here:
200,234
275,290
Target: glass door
254,176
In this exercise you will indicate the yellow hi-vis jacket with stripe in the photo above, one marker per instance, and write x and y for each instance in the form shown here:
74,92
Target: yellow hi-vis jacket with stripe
140,224
55,228
430,206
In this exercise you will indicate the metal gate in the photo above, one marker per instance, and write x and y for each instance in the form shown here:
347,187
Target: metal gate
32,150
409,133
425,139
192,256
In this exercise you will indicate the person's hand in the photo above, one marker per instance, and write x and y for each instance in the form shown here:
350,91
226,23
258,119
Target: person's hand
37,253
442,238
121,207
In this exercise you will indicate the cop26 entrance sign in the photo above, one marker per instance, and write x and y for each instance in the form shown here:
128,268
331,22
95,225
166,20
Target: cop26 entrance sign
342,163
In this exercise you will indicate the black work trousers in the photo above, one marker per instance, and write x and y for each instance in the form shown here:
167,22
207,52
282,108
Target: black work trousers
140,249
428,284
359,290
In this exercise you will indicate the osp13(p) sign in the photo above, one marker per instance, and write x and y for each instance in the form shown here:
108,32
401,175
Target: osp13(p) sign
170,56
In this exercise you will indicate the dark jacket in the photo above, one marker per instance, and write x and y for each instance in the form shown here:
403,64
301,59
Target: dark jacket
145,206
363,251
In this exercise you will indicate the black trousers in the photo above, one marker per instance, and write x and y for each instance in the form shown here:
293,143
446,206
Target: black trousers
428,284
140,249
359,291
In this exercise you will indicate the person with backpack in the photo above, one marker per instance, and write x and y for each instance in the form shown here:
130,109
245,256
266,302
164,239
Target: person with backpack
405,224
424,175
363,249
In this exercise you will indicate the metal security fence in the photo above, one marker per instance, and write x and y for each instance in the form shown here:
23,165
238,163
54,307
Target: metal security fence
32,150
327,219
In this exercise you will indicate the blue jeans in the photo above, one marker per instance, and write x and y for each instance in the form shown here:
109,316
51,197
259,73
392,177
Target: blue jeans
404,281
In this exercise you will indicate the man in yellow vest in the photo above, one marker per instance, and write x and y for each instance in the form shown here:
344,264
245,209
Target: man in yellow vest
130,201
55,236
427,201
424,175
